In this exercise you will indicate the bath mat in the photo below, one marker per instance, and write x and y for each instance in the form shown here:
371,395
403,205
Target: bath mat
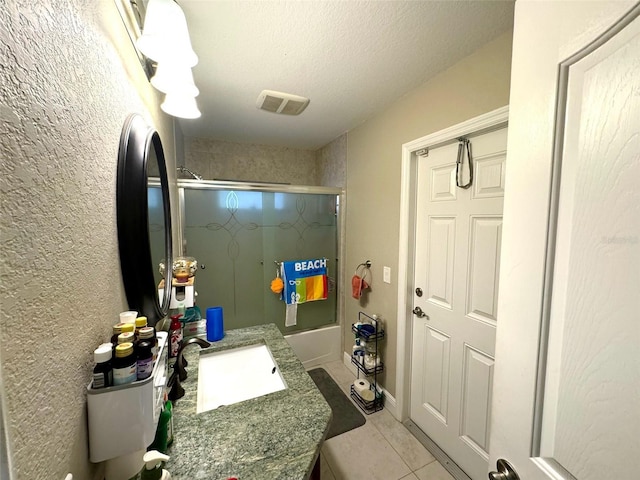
346,415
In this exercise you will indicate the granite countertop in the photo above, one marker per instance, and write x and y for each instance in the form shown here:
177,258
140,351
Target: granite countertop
276,436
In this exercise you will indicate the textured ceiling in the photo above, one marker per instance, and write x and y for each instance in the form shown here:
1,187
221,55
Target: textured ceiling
351,58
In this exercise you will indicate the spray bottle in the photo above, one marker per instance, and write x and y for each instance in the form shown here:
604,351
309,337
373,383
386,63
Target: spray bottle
175,337
153,466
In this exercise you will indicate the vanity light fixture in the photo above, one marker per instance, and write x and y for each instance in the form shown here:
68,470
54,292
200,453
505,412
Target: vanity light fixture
165,36
165,39
174,78
182,106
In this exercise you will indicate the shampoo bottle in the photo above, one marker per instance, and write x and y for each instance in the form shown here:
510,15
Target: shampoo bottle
153,466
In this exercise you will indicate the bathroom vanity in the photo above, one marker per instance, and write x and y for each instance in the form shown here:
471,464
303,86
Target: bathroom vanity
274,436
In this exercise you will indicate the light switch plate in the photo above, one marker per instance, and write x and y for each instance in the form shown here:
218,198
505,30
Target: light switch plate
386,274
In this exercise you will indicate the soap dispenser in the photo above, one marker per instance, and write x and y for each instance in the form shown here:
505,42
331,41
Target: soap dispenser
153,466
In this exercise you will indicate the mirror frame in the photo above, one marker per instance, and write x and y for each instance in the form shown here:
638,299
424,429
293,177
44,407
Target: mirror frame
137,267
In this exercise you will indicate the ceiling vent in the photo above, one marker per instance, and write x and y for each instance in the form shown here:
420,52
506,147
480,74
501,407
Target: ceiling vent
278,102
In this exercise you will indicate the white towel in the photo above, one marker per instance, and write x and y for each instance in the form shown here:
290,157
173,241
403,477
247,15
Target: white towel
291,315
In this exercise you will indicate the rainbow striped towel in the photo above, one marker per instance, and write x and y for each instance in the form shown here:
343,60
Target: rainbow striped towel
304,280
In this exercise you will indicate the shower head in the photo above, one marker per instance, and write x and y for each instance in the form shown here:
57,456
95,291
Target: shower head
186,171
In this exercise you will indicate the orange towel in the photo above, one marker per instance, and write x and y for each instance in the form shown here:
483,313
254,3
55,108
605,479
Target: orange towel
357,286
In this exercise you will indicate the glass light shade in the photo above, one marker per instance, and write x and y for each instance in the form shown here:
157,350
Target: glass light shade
174,78
181,106
165,35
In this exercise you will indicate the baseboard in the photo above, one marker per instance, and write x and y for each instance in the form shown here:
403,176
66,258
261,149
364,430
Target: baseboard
390,403
346,359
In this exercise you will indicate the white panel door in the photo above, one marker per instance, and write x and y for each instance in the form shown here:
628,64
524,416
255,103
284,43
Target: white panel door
458,235
566,401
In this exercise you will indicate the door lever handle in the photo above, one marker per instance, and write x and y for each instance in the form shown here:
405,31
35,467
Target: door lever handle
418,311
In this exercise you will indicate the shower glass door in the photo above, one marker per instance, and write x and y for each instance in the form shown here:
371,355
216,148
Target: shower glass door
238,235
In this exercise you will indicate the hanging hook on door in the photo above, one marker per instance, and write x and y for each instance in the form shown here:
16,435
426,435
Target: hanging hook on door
464,144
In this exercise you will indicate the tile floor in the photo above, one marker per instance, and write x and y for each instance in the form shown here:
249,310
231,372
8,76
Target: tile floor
381,449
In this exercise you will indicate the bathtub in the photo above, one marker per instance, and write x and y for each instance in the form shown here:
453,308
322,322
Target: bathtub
315,347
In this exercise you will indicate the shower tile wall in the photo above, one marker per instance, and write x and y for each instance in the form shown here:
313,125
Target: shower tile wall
332,163
215,159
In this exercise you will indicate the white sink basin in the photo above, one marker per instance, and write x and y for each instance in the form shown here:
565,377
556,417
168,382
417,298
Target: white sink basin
234,375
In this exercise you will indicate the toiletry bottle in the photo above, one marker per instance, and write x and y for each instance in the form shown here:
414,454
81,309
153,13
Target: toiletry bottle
153,466
141,322
124,365
169,408
117,330
175,337
358,352
128,327
371,361
144,359
161,440
125,337
103,371
148,333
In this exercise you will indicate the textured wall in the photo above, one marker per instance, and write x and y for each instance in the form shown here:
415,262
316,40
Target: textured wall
215,159
332,172
332,163
477,84
68,79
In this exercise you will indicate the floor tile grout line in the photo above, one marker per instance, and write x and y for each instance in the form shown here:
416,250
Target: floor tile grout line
393,448
399,454
335,380
411,471
382,432
346,393
414,472
327,464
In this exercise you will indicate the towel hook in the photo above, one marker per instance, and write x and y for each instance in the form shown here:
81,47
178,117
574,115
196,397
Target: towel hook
365,267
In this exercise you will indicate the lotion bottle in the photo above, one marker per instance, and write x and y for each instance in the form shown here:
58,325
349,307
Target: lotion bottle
153,466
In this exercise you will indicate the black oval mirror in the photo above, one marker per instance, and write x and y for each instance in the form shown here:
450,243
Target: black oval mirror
139,227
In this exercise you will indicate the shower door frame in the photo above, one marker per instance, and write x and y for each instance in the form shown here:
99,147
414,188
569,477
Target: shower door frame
273,188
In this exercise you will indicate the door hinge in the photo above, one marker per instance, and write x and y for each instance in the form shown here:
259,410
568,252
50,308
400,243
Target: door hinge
423,152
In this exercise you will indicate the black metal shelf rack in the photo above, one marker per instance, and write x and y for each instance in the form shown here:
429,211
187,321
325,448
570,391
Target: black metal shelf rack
377,404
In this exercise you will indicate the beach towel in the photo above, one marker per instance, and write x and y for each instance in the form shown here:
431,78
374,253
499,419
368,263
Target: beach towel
304,280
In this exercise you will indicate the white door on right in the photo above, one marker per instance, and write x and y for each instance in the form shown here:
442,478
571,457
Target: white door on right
457,260
566,398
